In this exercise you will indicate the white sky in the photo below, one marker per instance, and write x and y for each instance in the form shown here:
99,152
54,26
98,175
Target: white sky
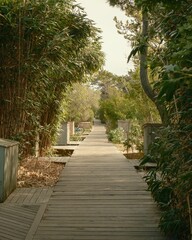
115,47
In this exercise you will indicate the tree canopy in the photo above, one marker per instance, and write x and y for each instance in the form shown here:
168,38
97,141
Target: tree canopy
82,103
45,46
123,98
160,33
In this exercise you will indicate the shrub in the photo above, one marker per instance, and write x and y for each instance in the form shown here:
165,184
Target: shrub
116,135
171,181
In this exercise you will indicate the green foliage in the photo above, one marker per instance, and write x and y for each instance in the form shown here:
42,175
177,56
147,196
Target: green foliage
45,46
123,98
173,223
77,136
116,135
82,103
134,136
113,108
168,39
171,180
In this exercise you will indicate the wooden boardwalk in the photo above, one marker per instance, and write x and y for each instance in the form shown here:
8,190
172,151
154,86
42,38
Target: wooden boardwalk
99,196
29,196
22,211
16,221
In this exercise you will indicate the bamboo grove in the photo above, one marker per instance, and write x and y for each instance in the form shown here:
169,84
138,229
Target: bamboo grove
44,47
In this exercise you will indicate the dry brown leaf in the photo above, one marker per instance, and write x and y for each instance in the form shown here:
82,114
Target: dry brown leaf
35,173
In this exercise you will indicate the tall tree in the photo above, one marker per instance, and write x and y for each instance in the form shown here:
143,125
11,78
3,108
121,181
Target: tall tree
45,46
137,30
82,103
123,98
169,59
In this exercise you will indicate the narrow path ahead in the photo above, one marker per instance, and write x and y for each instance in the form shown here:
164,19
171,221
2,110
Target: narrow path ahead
99,196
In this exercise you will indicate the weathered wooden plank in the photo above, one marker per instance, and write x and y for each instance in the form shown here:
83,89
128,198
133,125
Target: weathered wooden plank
104,203
12,221
84,207
54,159
100,196
44,195
103,224
101,214
102,193
95,232
17,214
14,228
92,237
6,235
22,194
15,221
35,223
29,196
109,221
36,195
97,188
92,182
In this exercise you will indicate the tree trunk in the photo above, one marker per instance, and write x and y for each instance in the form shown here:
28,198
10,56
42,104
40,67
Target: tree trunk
144,71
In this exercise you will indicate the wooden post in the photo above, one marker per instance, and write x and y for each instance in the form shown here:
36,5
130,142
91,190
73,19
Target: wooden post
150,132
8,167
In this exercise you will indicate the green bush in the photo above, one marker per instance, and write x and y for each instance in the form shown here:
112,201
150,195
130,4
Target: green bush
134,137
171,181
116,135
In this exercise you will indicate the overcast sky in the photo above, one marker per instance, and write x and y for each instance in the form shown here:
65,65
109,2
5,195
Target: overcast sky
114,45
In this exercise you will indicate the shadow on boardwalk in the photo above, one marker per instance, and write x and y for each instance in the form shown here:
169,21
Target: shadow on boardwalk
99,196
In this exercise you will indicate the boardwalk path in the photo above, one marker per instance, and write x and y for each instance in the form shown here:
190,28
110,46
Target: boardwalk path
99,197
21,212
